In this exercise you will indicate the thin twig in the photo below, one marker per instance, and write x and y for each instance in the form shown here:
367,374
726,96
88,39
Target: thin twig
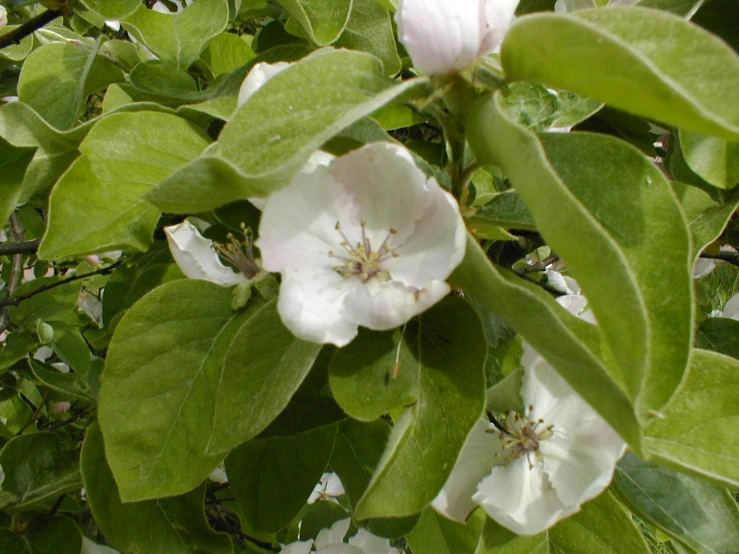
538,266
35,413
726,256
550,289
29,27
18,299
57,424
16,269
25,247
57,504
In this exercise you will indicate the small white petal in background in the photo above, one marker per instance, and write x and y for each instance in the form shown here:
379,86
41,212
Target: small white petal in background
161,8
731,309
3,17
446,36
89,547
113,24
197,258
257,76
2,477
558,454
327,488
331,541
61,407
368,240
218,475
703,267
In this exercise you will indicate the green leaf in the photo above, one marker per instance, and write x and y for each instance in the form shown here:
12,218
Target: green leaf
50,305
357,453
620,206
13,165
370,29
570,344
159,393
37,470
449,349
179,39
697,429
16,52
112,9
71,347
48,535
263,369
172,525
321,20
719,334
707,214
272,478
434,534
57,78
716,160
633,59
162,82
531,105
123,156
271,136
226,53
505,209
603,526
397,116
697,513
17,346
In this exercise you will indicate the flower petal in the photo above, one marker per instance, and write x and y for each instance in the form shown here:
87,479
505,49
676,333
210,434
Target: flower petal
334,535
196,257
372,544
731,309
299,547
475,459
311,305
521,498
441,36
386,305
257,76
339,548
499,15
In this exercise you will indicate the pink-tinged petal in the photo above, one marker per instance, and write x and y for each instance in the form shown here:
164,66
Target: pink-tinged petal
521,498
257,76
478,455
386,305
311,306
196,257
441,36
703,267
298,225
498,15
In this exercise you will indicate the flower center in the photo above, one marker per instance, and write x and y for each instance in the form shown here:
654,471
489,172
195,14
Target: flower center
361,260
240,252
521,436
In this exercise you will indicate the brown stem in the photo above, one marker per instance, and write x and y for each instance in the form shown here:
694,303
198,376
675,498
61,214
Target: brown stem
731,257
25,247
29,27
16,269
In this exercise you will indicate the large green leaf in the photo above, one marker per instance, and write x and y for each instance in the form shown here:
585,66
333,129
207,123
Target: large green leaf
169,363
719,334
57,78
697,429
647,62
53,304
434,534
112,9
271,136
272,478
179,39
38,469
13,164
594,197
321,20
172,525
570,344
123,156
716,160
49,535
698,513
603,526
448,353
707,214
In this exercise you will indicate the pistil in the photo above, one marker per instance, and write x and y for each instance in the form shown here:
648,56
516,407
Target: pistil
360,260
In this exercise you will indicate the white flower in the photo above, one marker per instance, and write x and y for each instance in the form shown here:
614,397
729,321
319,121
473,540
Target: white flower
731,309
368,240
198,259
3,17
703,267
557,455
446,36
257,76
327,488
331,541
89,547
2,477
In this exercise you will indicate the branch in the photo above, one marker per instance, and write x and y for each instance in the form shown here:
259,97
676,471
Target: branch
18,299
16,269
26,247
29,27
726,256
549,288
